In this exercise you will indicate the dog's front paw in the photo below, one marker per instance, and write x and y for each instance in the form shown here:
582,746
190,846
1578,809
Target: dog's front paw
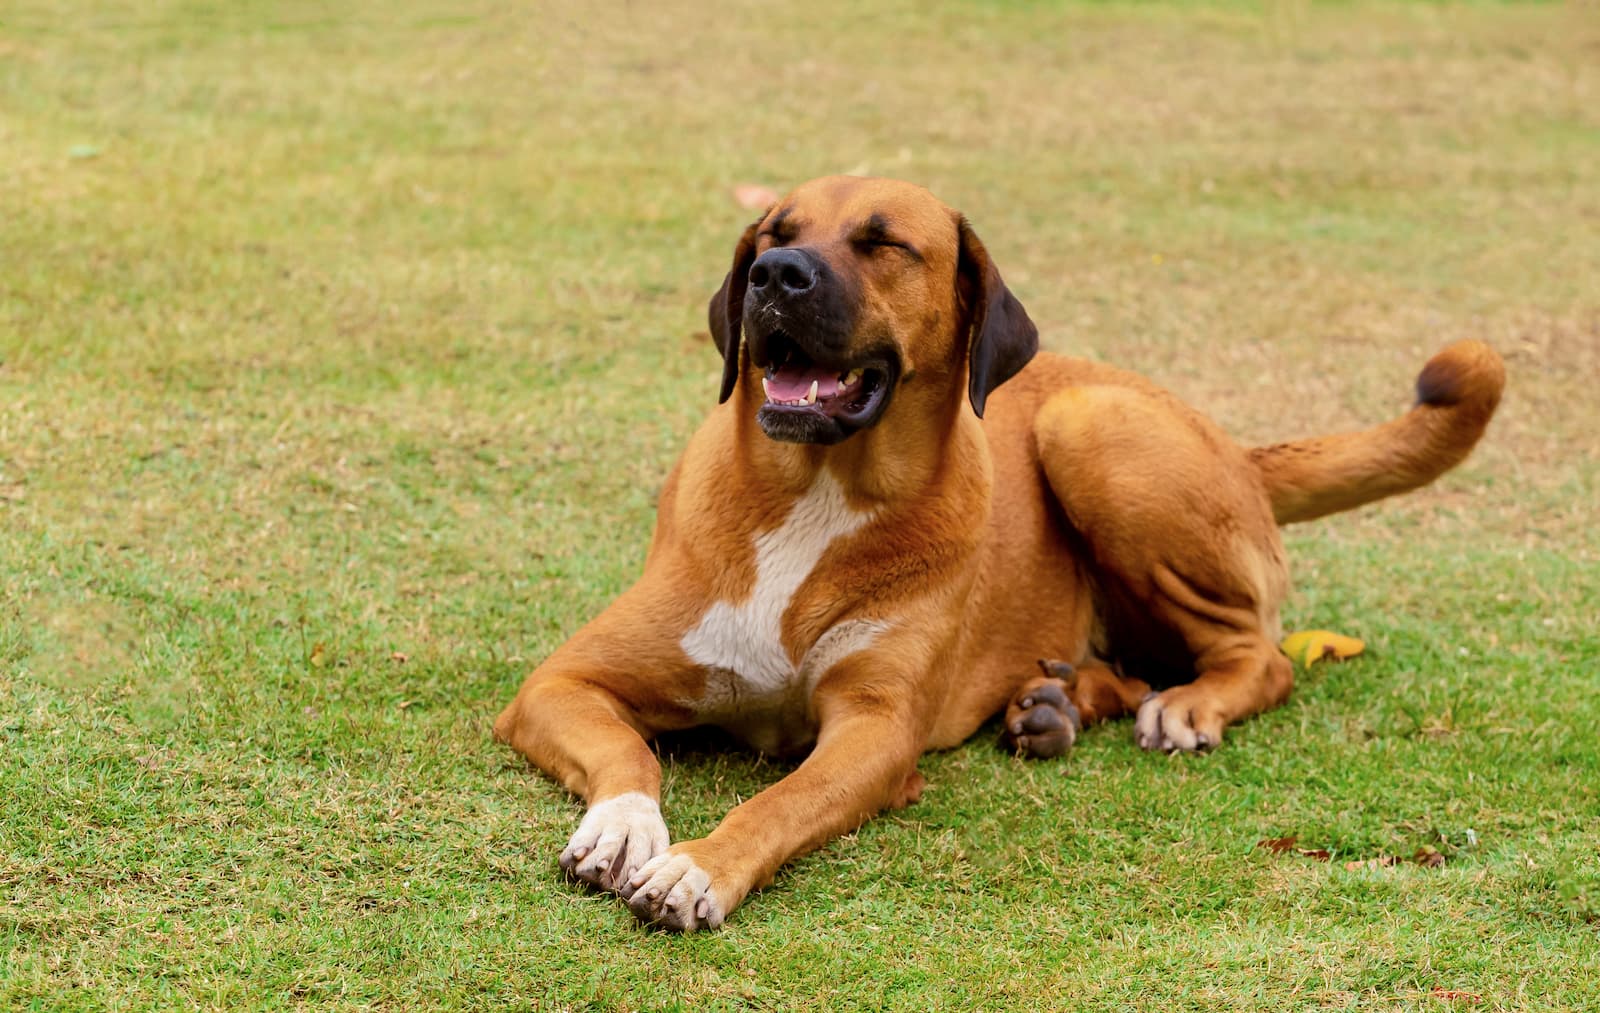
1182,719
616,838
676,891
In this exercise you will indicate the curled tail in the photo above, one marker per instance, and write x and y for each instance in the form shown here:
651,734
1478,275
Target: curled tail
1457,392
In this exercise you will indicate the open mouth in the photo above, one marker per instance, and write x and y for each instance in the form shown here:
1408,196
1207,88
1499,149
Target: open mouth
809,401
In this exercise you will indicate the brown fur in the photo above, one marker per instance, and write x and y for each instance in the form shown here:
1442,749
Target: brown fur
1089,516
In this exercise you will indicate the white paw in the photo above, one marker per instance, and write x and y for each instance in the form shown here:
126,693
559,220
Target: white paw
674,892
616,838
1177,720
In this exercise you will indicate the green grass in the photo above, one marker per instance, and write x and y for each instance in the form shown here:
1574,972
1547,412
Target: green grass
342,356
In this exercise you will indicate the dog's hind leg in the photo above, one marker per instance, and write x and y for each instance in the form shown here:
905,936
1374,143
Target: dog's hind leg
1181,538
1235,681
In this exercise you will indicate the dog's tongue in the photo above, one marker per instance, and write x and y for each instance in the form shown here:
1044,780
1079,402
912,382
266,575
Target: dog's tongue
792,383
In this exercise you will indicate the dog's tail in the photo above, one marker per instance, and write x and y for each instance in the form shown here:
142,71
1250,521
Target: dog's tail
1457,392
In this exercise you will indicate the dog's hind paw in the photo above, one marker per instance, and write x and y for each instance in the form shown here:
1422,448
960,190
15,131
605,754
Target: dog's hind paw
1180,720
1041,720
616,838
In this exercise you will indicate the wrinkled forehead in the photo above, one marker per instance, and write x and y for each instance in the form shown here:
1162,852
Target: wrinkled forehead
839,207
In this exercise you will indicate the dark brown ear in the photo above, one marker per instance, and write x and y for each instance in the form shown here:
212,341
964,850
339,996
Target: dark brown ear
727,309
1003,339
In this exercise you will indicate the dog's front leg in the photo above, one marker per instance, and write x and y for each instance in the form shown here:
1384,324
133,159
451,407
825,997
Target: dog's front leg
583,717
872,725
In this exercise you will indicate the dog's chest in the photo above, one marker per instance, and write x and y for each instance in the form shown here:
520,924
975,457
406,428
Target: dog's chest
755,687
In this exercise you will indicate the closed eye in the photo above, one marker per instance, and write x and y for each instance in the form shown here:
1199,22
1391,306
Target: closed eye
779,230
877,233
873,242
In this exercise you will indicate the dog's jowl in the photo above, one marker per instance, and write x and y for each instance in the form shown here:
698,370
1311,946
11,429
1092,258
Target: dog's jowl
897,508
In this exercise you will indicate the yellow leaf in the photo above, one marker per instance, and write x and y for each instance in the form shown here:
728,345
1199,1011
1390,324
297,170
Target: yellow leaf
1310,646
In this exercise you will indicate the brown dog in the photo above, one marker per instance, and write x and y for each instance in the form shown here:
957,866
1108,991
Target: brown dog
867,546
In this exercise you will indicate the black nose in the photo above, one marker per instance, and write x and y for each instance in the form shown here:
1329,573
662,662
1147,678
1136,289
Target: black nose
783,272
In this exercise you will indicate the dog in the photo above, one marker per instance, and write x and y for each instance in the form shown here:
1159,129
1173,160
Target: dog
897,509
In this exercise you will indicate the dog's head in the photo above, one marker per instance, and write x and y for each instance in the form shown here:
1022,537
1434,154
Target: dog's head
850,288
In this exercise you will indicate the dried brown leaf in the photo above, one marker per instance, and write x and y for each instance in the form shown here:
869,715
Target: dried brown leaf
1428,857
1279,845
1455,993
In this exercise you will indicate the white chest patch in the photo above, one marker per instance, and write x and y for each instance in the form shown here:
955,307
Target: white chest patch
753,678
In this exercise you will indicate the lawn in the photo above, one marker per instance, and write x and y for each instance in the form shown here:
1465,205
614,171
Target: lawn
344,348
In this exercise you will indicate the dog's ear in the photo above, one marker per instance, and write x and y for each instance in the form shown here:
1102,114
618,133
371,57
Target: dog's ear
727,308
1002,338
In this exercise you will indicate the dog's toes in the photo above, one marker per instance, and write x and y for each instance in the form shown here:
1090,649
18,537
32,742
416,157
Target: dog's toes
614,840
1178,720
674,892
1041,720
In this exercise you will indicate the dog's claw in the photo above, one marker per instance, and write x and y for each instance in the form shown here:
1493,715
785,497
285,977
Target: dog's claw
616,835
677,894
1179,720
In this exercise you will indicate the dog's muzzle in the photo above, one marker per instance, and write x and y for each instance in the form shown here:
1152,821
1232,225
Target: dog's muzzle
801,331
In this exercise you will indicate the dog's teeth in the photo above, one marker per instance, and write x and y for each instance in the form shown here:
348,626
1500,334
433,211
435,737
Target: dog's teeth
850,378
766,388
811,397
